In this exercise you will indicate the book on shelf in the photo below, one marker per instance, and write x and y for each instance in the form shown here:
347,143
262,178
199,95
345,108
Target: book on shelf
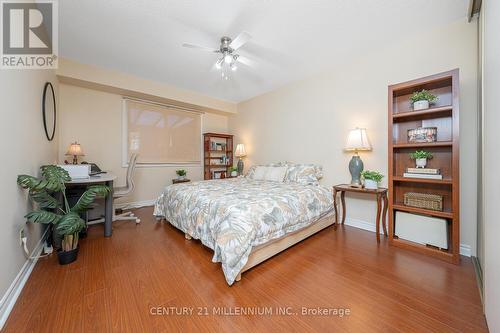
422,176
427,171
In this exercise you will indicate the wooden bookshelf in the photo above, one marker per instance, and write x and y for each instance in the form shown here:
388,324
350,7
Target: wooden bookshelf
444,115
212,157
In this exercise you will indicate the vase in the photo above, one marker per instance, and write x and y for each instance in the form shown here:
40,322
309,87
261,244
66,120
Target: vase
421,162
234,173
421,105
181,177
371,184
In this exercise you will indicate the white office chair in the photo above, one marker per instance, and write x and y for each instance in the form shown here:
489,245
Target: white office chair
123,191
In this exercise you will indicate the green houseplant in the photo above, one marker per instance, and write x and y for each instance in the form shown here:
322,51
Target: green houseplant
421,157
372,179
181,174
422,99
50,210
234,171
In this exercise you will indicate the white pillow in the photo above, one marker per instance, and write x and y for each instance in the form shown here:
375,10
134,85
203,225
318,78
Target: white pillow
271,173
275,174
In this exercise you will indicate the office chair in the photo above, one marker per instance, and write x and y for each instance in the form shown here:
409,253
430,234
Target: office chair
120,192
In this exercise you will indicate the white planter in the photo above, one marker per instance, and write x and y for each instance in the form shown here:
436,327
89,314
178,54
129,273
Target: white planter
421,162
234,173
420,105
371,184
181,177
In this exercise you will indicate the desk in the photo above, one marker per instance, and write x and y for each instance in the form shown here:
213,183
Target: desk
380,193
106,179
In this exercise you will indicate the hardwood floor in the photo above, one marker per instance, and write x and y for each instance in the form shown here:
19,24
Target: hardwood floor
117,283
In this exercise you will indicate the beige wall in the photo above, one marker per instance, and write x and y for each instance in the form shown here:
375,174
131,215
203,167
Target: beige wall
24,149
308,121
94,119
491,161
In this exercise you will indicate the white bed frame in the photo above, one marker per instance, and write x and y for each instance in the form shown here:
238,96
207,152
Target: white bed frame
265,251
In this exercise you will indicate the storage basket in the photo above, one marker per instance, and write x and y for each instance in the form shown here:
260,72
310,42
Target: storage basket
426,201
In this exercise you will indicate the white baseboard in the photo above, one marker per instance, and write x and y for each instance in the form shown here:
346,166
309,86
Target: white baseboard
465,249
10,297
135,204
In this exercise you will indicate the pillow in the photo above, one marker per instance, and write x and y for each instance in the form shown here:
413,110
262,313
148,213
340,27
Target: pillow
305,174
259,173
271,173
252,169
276,174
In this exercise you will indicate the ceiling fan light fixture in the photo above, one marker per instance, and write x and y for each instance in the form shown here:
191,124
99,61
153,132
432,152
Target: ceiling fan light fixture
228,58
233,66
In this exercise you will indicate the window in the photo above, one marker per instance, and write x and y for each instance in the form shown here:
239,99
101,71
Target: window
161,134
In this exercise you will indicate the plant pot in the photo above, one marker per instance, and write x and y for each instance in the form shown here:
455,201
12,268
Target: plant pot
181,177
421,162
67,257
234,173
420,105
371,184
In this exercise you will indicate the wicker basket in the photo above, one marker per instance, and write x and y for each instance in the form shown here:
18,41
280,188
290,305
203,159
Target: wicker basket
426,201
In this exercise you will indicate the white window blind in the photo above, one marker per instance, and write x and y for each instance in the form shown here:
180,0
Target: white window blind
161,134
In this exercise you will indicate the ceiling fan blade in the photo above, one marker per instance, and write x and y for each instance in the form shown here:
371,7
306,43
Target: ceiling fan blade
240,40
199,47
245,61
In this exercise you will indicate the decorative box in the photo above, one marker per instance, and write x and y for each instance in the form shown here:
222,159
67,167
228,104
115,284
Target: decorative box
422,134
422,200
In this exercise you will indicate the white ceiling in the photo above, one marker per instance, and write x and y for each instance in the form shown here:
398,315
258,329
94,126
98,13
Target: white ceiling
291,38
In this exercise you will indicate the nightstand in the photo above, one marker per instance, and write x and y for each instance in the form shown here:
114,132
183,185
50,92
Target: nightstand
380,194
177,181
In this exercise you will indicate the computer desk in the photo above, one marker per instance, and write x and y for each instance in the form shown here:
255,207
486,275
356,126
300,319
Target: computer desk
106,179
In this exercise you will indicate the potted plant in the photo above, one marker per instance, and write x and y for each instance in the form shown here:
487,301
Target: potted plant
49,210
372,179
234,171
422,99
181,174
421,157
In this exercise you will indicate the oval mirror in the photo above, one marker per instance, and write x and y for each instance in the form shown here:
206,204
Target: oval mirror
49,111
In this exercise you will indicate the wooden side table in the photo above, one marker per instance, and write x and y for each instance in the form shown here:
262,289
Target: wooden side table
381,195
177,181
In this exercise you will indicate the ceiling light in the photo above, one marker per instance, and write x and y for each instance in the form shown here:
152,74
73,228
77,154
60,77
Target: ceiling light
233,66
228,58
218,64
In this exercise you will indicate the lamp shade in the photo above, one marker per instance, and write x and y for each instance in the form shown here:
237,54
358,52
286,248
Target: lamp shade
358,140
240,150
75,149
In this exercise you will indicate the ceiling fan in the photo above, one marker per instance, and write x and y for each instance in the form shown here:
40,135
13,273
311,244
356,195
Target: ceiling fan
229,59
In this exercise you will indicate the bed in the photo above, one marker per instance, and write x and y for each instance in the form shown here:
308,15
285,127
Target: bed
243,220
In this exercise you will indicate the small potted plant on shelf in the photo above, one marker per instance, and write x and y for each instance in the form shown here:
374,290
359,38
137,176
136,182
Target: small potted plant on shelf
422,99
371,179
234,171
421,157
181,174
49,210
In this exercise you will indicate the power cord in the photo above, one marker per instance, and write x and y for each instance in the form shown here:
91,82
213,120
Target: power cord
24,243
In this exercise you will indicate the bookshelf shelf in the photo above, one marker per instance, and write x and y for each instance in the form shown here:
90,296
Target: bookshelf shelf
423,145
445,151
422,180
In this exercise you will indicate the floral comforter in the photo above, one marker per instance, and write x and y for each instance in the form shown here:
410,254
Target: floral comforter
231,216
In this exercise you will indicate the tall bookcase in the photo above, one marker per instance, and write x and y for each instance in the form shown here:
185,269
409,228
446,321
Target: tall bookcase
444,115
217,155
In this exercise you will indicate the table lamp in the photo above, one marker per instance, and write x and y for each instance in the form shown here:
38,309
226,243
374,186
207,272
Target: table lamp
357,141
240,153
75,150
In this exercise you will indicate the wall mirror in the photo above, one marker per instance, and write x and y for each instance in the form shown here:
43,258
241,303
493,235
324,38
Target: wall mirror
49,111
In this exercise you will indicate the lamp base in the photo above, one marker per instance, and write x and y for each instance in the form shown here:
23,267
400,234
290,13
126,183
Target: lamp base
240,167
355,168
